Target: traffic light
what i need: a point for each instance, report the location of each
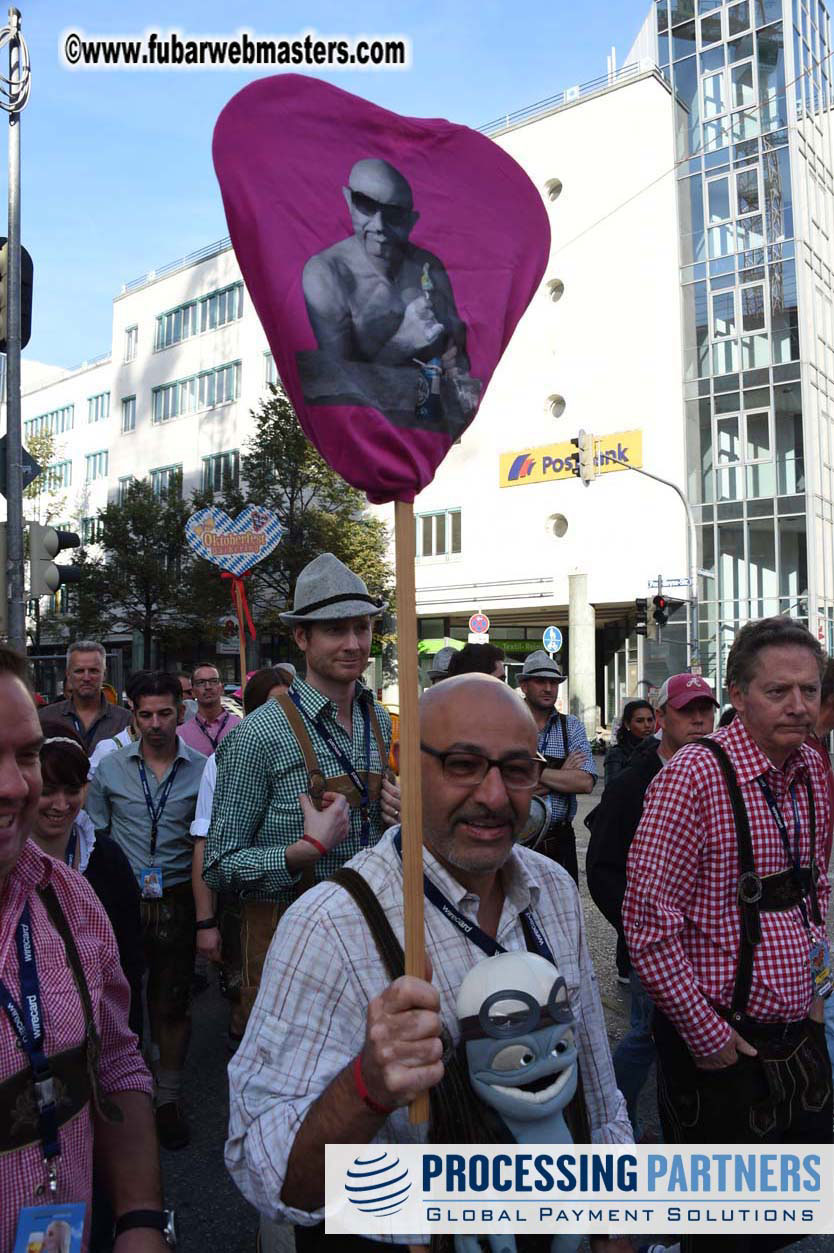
(27, 271)
(583, 463)
(641, 604)
(45, 577)
(661, 610)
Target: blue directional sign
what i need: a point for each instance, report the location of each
(552, 639)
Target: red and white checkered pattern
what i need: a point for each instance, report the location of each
(681, 920)
(122, 1068)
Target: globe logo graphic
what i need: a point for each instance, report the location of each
(378, 1183)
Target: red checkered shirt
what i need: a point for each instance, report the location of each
(121, 1068)
(680, 915)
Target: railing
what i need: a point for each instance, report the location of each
(202, 254)
(569, 96)
(91, 361)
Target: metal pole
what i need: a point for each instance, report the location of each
(14, 459)
(691, 552)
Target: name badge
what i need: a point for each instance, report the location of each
(150, 881)
(42, 1228)
(821, 968)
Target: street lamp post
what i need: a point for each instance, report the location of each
(691, 555)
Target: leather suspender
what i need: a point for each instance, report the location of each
(108, 1110)
(750, 885)
(318, 781)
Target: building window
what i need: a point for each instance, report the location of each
(128, 414)
(97, 465)
(124, 484)
(98, 407)
(54, 423)
(131, 342)
(221, 307)
(167, 479)
(58, 476)
(176, 325)
(439, 534)
(201, 391)
(221, 471)
(92, 530)
(270, 373)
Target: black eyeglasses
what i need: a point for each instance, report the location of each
(393, 214)
(206, 683)
(519, 774)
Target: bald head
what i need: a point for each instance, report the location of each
(382, 182)
(465, 699)
(471, 826)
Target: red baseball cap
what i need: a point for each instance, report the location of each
(682, 689)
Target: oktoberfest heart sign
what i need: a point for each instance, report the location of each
(234, 544)
(389, 260)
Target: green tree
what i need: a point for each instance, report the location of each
(282, 471)
(146, 578)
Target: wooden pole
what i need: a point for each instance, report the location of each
(412, 805)
(241, 629)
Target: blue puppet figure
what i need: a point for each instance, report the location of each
(517, 1029)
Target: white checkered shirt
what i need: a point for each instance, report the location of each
(322, 971)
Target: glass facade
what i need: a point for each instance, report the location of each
(754, 172)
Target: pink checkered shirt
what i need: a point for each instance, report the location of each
(121, 1069)
(680, 915)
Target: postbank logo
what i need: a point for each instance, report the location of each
(556, 461)
(522, 467)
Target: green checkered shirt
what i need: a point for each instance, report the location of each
(260, 776)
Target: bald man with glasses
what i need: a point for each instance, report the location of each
(383, 311)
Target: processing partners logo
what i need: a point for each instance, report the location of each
(417, 1190)
(378, 1183)
(522, 467)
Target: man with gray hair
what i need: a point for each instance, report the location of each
(86, 710)
(724, 912)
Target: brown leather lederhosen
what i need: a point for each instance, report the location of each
(75, 1078)
(260, 918)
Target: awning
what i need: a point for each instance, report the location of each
(430, 647)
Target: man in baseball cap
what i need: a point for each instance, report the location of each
(681, 690)
(322, 746)
(570, 765)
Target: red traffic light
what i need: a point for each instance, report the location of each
(660, 602)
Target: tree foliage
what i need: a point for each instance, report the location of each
(146, 578)
(282, 471)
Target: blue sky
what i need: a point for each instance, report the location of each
(117, 173)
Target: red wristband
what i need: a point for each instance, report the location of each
(315, 843)
(362, 1091)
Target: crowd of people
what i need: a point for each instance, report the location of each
(135, 841)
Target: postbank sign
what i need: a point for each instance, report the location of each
(556, 461)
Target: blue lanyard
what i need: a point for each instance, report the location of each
(204, 728)
(346, 764)
(533, 934)
(69, 855)
(28, 1025)
(156, 811)
(793, 855)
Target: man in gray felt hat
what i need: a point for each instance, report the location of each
(439, 668)
(321, 747)
(570, 769)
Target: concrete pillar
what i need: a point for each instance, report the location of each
(582, 625)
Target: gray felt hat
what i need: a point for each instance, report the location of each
(326, 590)
(440, 662)
(540, 665)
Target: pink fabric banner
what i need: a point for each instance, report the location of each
(389, 260)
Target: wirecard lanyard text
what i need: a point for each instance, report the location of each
(533, 934)
(347, 765)
(28, 1025)
(793, 854)
(214, 740)
(156, 811)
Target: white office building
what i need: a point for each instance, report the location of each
(685, 321)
